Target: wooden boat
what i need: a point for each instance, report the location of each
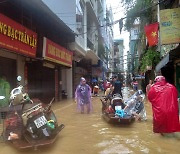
(112, 117)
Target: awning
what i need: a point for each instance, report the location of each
(91, 55)
(162, 63)
(79, 52)
(171, 56)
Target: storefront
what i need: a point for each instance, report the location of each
(17, 43)
(48, 77)
(8, 69)
(78, 73)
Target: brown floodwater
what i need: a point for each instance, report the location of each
(91, 134)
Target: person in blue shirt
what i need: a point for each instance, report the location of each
(117, 85)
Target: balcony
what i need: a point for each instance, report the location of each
(91, 12)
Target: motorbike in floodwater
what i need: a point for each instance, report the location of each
(135, 106)
(28, 123)
(116, 110)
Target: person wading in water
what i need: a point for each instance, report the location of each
(83, 96)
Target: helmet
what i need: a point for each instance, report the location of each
(139, 92)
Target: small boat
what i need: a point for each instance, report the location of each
(112, 118)
(112, 114)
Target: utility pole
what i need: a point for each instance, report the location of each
(158, 18)
(159, 41)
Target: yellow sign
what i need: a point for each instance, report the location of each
(170, 26)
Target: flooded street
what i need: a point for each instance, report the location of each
(90, 134)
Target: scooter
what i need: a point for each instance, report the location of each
(28, 123)
(135, 106)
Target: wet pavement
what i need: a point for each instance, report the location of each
(91, 134)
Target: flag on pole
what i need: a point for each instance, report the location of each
(152, 33)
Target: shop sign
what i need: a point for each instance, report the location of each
(169, 26)
(96, 71)
(16, 37)
(56, 53)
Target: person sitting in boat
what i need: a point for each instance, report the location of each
(113, 101)
(135, 106)
(117, 101)
(108, 92)
(107, 99)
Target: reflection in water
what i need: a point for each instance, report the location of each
(90, 134)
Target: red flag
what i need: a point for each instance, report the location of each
(152, 33)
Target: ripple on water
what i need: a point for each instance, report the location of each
(116, 149)
(104, 131)
(135, 143)
(113, 146)
(96, 125)
(145, 150)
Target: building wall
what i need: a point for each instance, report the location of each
(68, 12)
(69, 84)
(135, 47)
(20, 67)
(65, 10)
(20, 62)
(118, 54)
(66, 76)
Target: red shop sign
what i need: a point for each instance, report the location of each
(56, 53)
(16, 37)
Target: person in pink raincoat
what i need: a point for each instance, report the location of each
(163, 97)
(83, 96)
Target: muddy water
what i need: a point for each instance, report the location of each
(90, 134)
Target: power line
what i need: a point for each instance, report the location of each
(86, 32)
(119, 20)
(141, 11)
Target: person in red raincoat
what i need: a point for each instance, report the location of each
(163, 97)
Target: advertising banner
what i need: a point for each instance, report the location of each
(56, 53)
(170, 26)
(17, 38)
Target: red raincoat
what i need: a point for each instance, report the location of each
(163, 97)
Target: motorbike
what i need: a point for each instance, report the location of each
(135, 106)
(28, 123)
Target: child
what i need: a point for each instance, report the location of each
(96, 90)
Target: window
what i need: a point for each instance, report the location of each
(80, 16)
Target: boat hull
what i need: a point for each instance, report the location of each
(111, 118)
